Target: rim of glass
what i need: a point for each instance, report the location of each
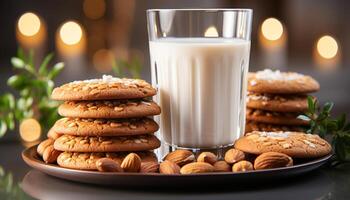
(202, 9)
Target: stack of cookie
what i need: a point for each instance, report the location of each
(275, 99)
(106, 117)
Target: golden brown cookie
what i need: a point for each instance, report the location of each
(106, 144)
(53, 134)
(87, 161)
(105, 127)
(276, 82)
(278, 103)
(278, 118)
(109, 109)
(254, 126)
(101, 89)
(294, 144)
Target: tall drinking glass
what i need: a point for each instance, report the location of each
(199, 65)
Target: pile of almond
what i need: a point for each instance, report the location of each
(185, 162)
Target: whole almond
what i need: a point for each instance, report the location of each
(169, 167)
(197, 167)
(207, 157)
(43, 145)
(131, 163)
(242, 166)
(180, 157)
(222, 166)
(149, 167)
(108, 165)
(233, 156)
(50, 154)
(272, 160)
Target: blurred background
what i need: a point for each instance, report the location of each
(91, 36)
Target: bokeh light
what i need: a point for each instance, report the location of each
(211, 32)
(94, 9)
(103, 60)
(29, 24)
(30, 130)
(71, 33)
(327, 47)
(272, 29)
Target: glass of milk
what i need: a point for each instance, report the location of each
(199, 65)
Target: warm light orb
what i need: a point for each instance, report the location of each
(211, 32)
(71, 33)
(272, 29)
(327, 47)
(29, 24)
(30, 130)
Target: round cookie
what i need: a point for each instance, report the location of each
(276, 82)
(87, 161)
(106, 144)
(294, 144)
(53, 134)
(105, 127)
(278, 103)
(278, 118)
(102, 89)
(254, 126)
(108, 109)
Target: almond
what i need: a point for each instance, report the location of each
(207, 157)
(242, 166)
(169, 167)
(50, 154)
(233, 156)
(131, 163)
(272, 160)
(196, 167)
(108, 165)
(149, 167)
(180, 157)
(43, 145)
(222, 166)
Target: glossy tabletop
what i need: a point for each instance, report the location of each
(325, 183)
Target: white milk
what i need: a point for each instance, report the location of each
(201, 89)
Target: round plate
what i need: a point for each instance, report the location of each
(31, 157)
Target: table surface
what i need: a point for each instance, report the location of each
(325, 183)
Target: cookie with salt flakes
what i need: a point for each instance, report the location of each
(105, 127)
(106, 144)
(294, 144)
(277, 102)
(87, 161)
(278, 118)
(109, 109)
(276, 82)
(107, 87)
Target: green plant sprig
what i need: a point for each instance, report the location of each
(34, 86)
(322, 123)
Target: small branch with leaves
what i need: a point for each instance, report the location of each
(34, 86)
(123, 68)
(323, 124)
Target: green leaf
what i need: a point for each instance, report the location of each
(18, 82)
(342, 147)
(57, 68)
(341, 121)
(17, 63)
(311, 104)
(10, 121)
(3, 127)
(20, 54)
(328, 107)
(43, 66)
